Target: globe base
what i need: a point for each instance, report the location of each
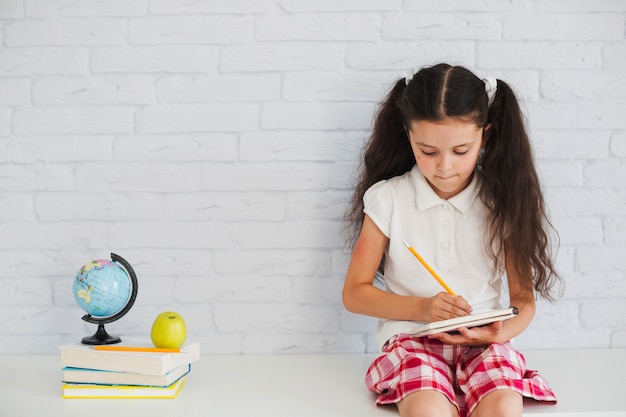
(101, 337)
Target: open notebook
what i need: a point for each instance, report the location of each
(473, 320)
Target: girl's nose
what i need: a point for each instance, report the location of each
(444, 163)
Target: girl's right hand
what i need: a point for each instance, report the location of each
(361, 296)
(444, 306)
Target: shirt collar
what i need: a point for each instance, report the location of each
(427, 198)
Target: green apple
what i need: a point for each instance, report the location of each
(168, 330)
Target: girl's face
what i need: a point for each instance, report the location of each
(446, 153)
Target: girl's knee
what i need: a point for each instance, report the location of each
(427, 403)
(499, 403)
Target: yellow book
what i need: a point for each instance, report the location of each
(85, 391)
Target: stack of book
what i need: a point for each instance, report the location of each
(131, 369)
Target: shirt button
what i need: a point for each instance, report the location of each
(445, 207)
(445, 226)
(445, 245)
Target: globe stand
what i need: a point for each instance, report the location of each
(101, 337)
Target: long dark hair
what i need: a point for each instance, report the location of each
(517, 219)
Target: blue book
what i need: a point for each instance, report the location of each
(96, 376)
(121, 391)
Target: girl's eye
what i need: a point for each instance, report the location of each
(433, 153)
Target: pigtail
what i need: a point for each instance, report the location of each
(386, 155)
(512, 191)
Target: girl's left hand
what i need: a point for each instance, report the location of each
(475, 336)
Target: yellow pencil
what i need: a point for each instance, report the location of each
(432, 271)
(135, 349)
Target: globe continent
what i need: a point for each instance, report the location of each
(102, 288)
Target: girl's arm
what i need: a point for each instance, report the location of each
(521, 297)
(362, 297)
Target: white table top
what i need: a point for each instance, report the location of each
(303, 386)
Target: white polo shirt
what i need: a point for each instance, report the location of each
(448, 234)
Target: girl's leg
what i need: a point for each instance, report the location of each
(427, 403)
(499, 403)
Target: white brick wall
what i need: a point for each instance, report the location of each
(213, 144)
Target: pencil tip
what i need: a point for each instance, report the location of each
(406, 243)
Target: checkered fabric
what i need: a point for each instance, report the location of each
(464, 375)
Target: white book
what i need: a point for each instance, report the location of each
(472, 320)
(78, 355)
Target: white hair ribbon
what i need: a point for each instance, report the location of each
(408, 78)
(491, 86)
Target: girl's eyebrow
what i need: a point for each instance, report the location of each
(470, 143)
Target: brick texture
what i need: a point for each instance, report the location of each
(213, 144)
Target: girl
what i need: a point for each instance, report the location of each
(450, 169)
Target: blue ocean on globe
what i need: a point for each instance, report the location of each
(102, 288)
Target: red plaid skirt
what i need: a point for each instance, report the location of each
(464, 375)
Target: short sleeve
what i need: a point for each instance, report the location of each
(377, 204)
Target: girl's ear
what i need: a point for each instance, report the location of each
(486, 134)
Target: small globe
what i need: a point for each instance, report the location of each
(106, 291)
(102, 288)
